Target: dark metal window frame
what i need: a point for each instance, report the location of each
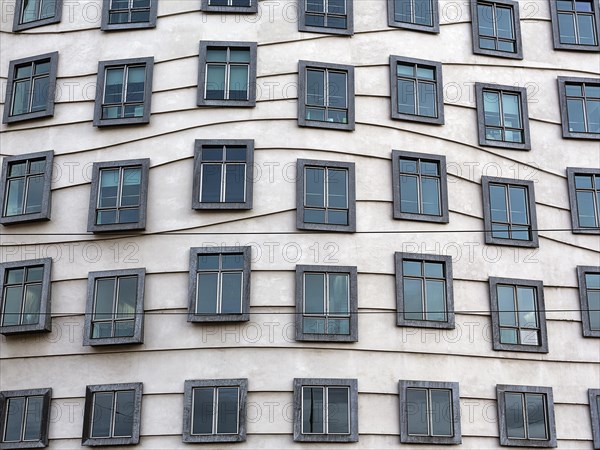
(106, 26)
(583, 299)
(302, 26)
(5, 396)
(18, 16)
(577, 47)
(593, 394)
(564, 113)
(571, 173)
(392, 22)
(518, 54)
(252, 9)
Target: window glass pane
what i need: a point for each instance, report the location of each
(125, 406)
(12, 305)
(312, 410)
(587, 34)
(575, 115)
(337, 116)
(235, 182)
(29, 13)
(124, 328)
(412, 268)
(238, 82)
(216, 54)
(409, 197)
(141, 3)
(315, 87)
(436, 300)
(21, 98)
(564, 5)
(314, 293)
(337, 410)
(338, 326)
(314, 181)
(336, 21)
(592, 90)
(511, 108)
(593, 298)
(402, 11)
(232, 261)
(337, 217)
(339, 296)
(15, 275)
(592, 280)
(122, 17)
(515, 422)
(16, 169)
(586, 210)
(504, 22)
(485, 16)
(35, 273)
(584, 5)
(336, 6)
(416, 408)
(102, 414)
(337, 91)
(536, 416)
(239, 55)
(41, 92)
(413, 299)
(527, 307)
(34, 195)
(566, 27)
(207, 293)
(14, 417)
(574, 90)
(140, 16)
(314, 216)
(231, 297)
(406, 96)
(113, 91)
(337, 188)
(408, 166)
(427, 100)
(583, 181)
(235, 154)
(431, 196)
(14, 201)
(434, 269)
(105, 289)
(135, 84)
(423, 12)
(211, 183)
(119, 4)
(102, 330)
(132, 185)
(315, 6)
(312, 325)
(127, 297)
(33, 421)
(406, 70)
(31, 310)
(593, 116)
(441, 412)
(203, 411)
(498, 203)
(108, 190)
(227, 408)
(491, 107)
(518, 205)
(129, 215)
(315, 20)
(506, 305)
(508, 336)
(215, 82)
(208, 262)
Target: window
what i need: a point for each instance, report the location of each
(325, 410)
(518, 315)
(30, 88)
(325, 196)
(112, 414)
(594, 396)
(36, 13)
(326, 95)
(115, 307)
(119, 195)
(123, 92)
(326, 303)
(24, 418)
(219, 284)
(420, 15)
(429, 412)
(223, 174)
(215, 410)
(25, 194)
(580, 107)
(227, 74)
(326, 16)
(420, 187)
(509, 212)
(526, 416)
(575, 24)
(496, 28)
(128, 14)
(230, 6)
(417, 90)
(25, 289)
(584, 196)
(589, 298)
(424, 294)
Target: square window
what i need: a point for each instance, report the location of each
(594, 396)
(588, 278)
(24, 418)
(575, 25)
(123, 92)
(326, 303)
(424, 294)
(509, 212)
(325, 196)
(325, 410)
(25, 187)
(36, 13)
(128, 14)
(112, 414)
(420, 187)
(518, 315)
(326, 16)
(418, 15)
(227, 74)
(579, 107)
(119, 195)
(496, 28)
(230, 6)
(223, 171)
(584, 197)
(325, 95)
(30, 88)
(215, 410)
(417, 90)
(526, 416)
(219, 284)
(429, 412)
(115, 307)
(25, 301)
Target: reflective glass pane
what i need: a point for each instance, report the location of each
(431, 196)
(41, 67)
(13, 296)
(405, 70)
(408, 166)
(527, 307)
(592, 280)
(433, 269)
(566, 28)
(102, 330)
(17, 169)
(106, 217)
(336, 21)
(315, 114)
(215, 82)
(235, 183)
(238, 82)
(312, 325)
(593, 115)
(518, 205)
(593, 298)
(315, 6)
(339, 296)
(337, 181)
(427, 100)
(132, 186)
(336, 6)
(129, 215)
(109, 188)
(212, 154)
(314, 182)
(105, 289)
(429, 168)
(227, 407)
(312, 410)
(436, 300)
(511, 109)
(529, 337)
(315, 20)
(411, 268)
(592, 90)
(207, 293)
(124, 410)
(23, 71)
(21, 97)
(33, 421)
(210, 191)
(508, 336)
(14, 419)
(491, 107)
(314, 293)
(498, 203)
(402, 11)
(14, 200)
(31, 309)
(338, 326)
(576, 115)
(335, 217)
(338, 410)
(216, 54)
(583, 181)
(120, 17)
(441, 412)
(135, 84)
(406, 96)
(30, 11)
(35, 273)
(33, 203)
(574, 90)
(586, 210)
(336, 90)
(506, 306)
(587, 33)
(416, 408)
(564, 5)
(203, 411)
(485, 17)
(239, 55)
(536, 416)
(423, 12)
(124, 328)
(409, 194)
(235, 154)
(208, 262)
(113, 90)
(232, 261)
(515, 421)
(314, 216)
(231, 296)
(41, 91)
(413, 299)
(315, 87)
(127, 297)
(504, 22)
(102, 414)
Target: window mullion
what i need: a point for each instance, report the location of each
(215, 410)
(326, 93)
(114, 307)
(585, 118)
(326, 192)
(429, 414)
(23, 295)
(113, 415)
(25, 192)
(227, 72)
(31, 88)
(223, 181)
(120, 192)
(423, 280)
(326, 301)
(525, 418)
(326, 409)
(507, 205)
(219, 290)
(124, 93)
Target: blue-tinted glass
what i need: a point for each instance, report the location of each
(408, 166)
(593, 298)
(14, 202)
(485, 16)
(12, 305)
(336, 88)
(315, 87)
(504, 22)
(576, 115)
(109, 188)
(314, 293)
(105, 291)
(337, 181)
(227, 417)
(216, 54)
(231, 296)
(338, 293)
(592, 280)
(527, 307)
(587, 33)
(406, 97)
(336, 22)
(518, 205)
(207, 293)
(21, 94)
(33, 202)
(511, 110)
(312, 410)
(436, 300)
(412, 268)
(586, 209)
(409, 197)
(238, 82)
(211, 183)
(402, 11)
(498, 203)
(413, 299)
(427, 100)
(126, 297)
(506, 305)
(336, 6)
(315, 6)
(417, 412)
(566, 28)
(232, 261)
(215, 82)
(203, 411)
(31, 309)
(491, 107)
(132, 186)
(208, 262)
(431, 196)
(423, 12)
(30, 11)
(135, 84)
(315, 187)
(41, 91)
(593, 115)
(113, 92)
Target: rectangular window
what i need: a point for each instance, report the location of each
(594, 398)
(215, 410)
(325, 410)
(496, 29)
(419, 15)
(584, 196)
(326, 16)
(580, 107)
(128, 14)
(518, 315)
(30, 88)
(24, 418)
(230, 6)
(36, 13)
(589, 299)
(575, 24)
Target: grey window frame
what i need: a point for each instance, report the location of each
(90, 390)
(571, 173)
(351, 384)
(45, 320)
(564, 115)
(199, 144)
(244, 315)
(303, 27)
(516, 24)
(505, 441)
(593, 394)
(429, 157)
(148, 62)
(138, 328)
(251, 101)
(583, 299)
(301, 164)
(106, 26)
(522, 92)
(487, 213)
(576, 47)
(435, 28)
(190, 385)
(94, 191)
(252, 9)
(46, 393)
(449, 323)
(439, 89)
(8, 118)
(44, 214)
(18, 26)
(302, 121)
(453, 387)
(352, 273)
(495, 314)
